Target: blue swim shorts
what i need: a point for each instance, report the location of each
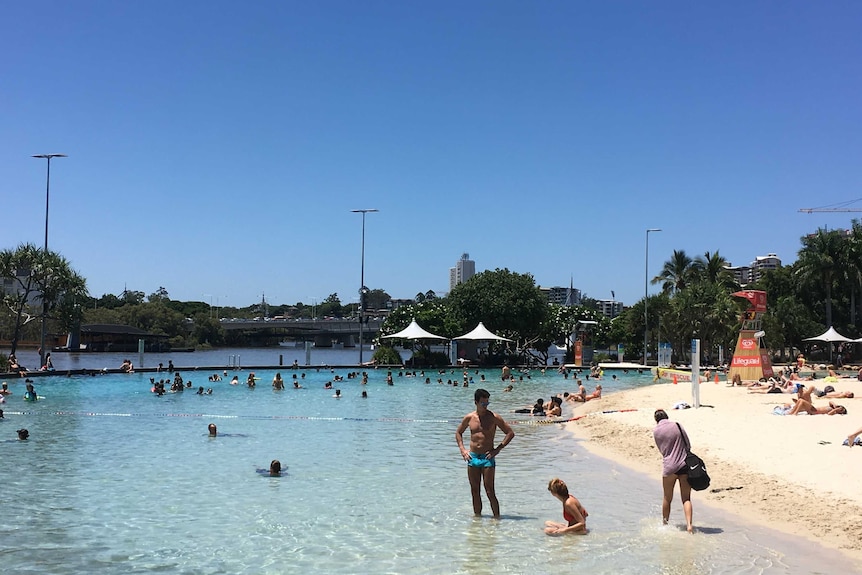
(477, 460)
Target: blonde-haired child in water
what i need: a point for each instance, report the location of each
(573, 512)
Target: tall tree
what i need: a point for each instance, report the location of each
(508, 303)
(851, 266)
(712, 268)
(818, 263)
(40, 281)
(676, 273)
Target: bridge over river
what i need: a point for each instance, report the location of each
(323, 332)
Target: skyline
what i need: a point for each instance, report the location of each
(218, 150)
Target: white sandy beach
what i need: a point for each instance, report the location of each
(793, 471)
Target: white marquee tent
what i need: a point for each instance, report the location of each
(480, 333)
(413, 331)
(829, 335)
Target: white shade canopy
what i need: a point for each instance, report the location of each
(413, 331)
(829, 335)
(480, 332)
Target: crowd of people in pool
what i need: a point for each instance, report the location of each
(480, 457)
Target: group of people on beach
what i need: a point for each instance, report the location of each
(789, 381)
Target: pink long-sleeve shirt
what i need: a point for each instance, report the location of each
(670, 443)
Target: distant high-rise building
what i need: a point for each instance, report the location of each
(567, 296)
(740, 273)
(745, 275)
(610, 308)
(763, 264)
(463, 270)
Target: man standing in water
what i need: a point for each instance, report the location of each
(483, 424)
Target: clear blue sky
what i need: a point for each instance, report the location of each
(218, 147)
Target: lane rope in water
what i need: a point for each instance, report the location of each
(306, 417)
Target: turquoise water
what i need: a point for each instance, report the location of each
(117, 480)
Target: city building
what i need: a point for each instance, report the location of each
(745, 275)
(763, 264)
(562, 295)
(740, 273)
(463, 271)
(610, 308)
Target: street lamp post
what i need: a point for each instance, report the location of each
(646, 290)
(45, 303)
(211, 302)
(362, 289)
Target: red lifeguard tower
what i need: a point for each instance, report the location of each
(750, 358)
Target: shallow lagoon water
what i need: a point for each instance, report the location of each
(117, 480)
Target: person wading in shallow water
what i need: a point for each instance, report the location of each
(483, 424)
(672, 440)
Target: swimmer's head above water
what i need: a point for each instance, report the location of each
(213, 430)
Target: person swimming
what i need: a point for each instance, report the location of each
(274, 469)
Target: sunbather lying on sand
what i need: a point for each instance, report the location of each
(807, 406)
(774, 387)
(828, 391)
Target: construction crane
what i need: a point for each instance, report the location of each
(842, 207)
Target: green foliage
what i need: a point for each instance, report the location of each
(424, 358)
(559, 325)
(385, 355)
(108, 301)
(207, 330)
(508, 303)
(818, 264)
(376, 299)
(132, 297)
(187, 308)
(160, 294)
(40, 281)
(676, 273)
(330, 307)
(435, 316)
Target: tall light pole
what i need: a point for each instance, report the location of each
(646, 290)
(362, 289)
(211, 302)
(44, 302)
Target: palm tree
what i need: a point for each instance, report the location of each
(712, 267)
(676, 273)
(851, 256)
(819, 262)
